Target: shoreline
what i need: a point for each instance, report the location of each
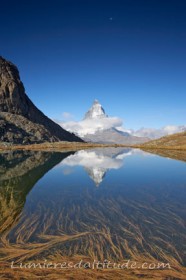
(73, 146)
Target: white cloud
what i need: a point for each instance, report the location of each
(90, 126)
(67, 116)
(102, 158)
(157, 133)
(91, 159)
(67, 171)
(98, 161)
(95, 162)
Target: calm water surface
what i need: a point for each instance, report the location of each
(108, 203)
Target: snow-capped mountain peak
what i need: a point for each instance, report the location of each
(96, 111)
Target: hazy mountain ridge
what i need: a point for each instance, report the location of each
(113, 136)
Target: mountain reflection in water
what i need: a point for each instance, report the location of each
(98, 161)
(138, 212)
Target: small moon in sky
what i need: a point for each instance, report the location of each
(110, 18)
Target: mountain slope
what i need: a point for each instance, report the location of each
(114, 136)
(20, 117)
(176, 141)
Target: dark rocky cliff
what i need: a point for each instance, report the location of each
(20, 120)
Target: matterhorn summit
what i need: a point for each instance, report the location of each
(96, 174)
(96, 111)
(98, 127)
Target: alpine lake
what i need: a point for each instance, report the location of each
(122, 209)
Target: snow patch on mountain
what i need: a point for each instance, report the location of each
(95, 112)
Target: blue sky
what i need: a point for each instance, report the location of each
(128, 54)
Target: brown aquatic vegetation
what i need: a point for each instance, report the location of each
(71, 231)
(90, 274)
(15, 182)
(95, 241)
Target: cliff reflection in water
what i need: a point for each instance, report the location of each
(19, 172)
(137, 213)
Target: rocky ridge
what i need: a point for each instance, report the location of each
(21, 122)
